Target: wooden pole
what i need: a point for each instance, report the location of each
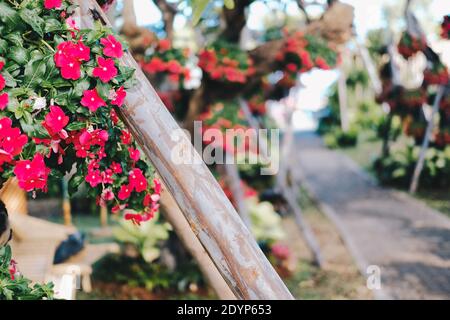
(210, 214)
(67, 208)
(234, 182)
(343, 100)
(175, 217)
(287, 190)
(426, 141)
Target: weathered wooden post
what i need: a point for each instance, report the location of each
(182, 228)
(288, 191)
(211, 216)
(426, 141)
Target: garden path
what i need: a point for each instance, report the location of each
(407, 240)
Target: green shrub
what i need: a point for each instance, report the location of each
(398, 168)
(340, 139)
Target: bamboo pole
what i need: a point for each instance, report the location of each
(205, 206)
(175, 217)
(426, 141)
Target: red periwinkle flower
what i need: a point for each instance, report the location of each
(71, 70)
(11, 139)
(114, 116)
(2, 82)
(56, 119)
(126, 137)
(119, 97)
(124, 192)
(52, 4)
(116, 167)
(134, 154)
(112, 47)
(92, 100)
(106, 70)
(32, 174)
(94, 178)
(137, 180)
(4, 99)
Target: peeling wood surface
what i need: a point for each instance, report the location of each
(212, 217)
(184, 231)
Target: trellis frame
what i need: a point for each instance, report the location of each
(208, 211)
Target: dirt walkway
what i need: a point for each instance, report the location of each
(408, 241)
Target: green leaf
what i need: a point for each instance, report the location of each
(31, 17)
(198, 7)
(229, 4)
(19, 55)
(8, 15)
(76, 126)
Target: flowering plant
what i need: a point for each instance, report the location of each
(408, 45)
(304, 52)
(437, 74)
(62, 89)
(223, 116)
(163, 60)
(445, 27)
(226, 62)
(13, 286)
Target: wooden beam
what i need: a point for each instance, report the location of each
(182, 228)
(426, 141)
(210, 214)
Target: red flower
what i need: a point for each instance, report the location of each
(71, 70)
(114, 117)
(164, 44)
(11, 139)
(155, 65)
(106, 70)
(4, 99)
(2, 82)
(137, 180)
(116, 167)
(92, 100)
(134, 154)
(112, 47)
(119, 97)
(52, 4)
(56, 120)
(126, 137)
(124, 192)
(94, 178)
(32, 174)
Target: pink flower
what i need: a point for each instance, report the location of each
(134, 154)
(137, 180)
(119, 97)
(56, 119)
(112, 47)
(92, 100)
(32, 174)
(107, 194)
(124, 192)
(94, 178)
(52, 4)
(106, 70)
(4, 100)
